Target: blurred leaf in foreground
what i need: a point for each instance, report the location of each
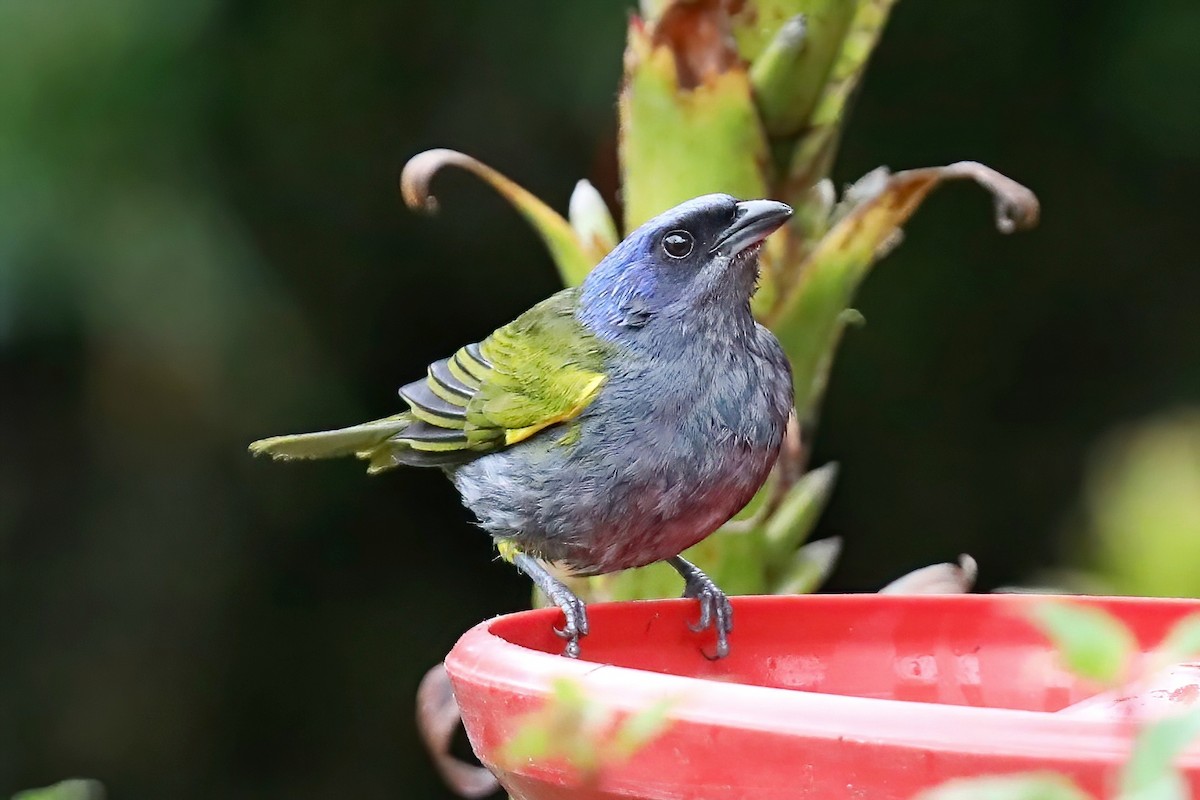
(1142, 508)
(1150, 773)
(1091, 643)
(583, 732)
(1031, 786)
(1182, 642)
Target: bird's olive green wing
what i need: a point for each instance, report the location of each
(541, 369)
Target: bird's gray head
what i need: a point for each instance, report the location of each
(699, 258)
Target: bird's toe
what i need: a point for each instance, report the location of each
(715, 612)
(574, 627)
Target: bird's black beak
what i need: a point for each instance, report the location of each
(755, 220)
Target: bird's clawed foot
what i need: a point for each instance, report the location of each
(715, 608)
(576, 625)
(573, 609)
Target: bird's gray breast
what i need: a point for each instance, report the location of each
(669, 450)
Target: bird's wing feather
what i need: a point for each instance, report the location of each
(332, 444)
(541, 369)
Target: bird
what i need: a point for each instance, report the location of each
(614, 424)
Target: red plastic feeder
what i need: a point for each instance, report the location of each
(823, 696)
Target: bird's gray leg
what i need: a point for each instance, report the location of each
(572, 607)
(714, 605)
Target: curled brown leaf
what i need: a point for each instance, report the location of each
(569, 255)
(891, 198)
(1017, 207)
(438, 718)
(419, 171)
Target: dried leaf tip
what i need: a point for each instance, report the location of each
(419, 172)
(1017, 207)
(568, 253)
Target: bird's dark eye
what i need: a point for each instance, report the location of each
(678, 244)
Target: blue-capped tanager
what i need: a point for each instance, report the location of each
(614, 424)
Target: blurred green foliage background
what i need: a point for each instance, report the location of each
(202, 242)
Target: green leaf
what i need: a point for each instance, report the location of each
(1149, 774)
(772, 76)
(797, 514)
(74, 789)
(814, 153)
(1169, 786)
(643, 583)
(810, 567)
(531, 742)
(756, 23)
(569, 254)
(809, 320)
(641, 728)
(679, 141)
(1091, 643)
(792, 69)
(579, 730)
(734, 560)
(1142, 496)
(1029, 786)
(1181, 643)
(567, 696)
(566, 726)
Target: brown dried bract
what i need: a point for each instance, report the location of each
(420, 169)
(700, 36)
(438, 718)
(1017, 207)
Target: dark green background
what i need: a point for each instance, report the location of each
(201, 242)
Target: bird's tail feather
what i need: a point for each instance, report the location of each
(358, 440)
